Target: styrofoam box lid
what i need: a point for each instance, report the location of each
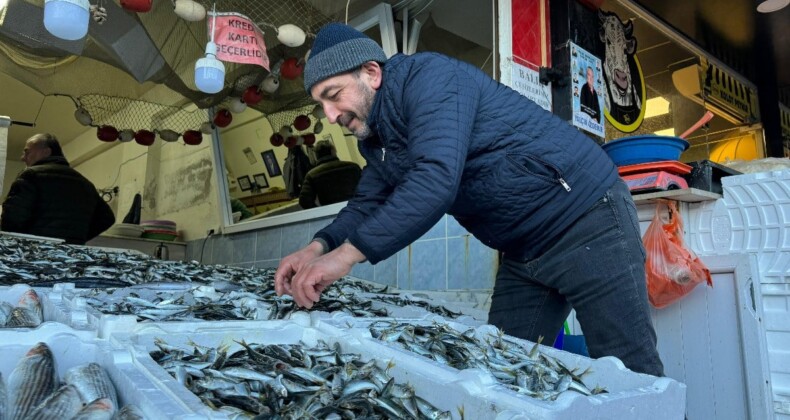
(753, 216)
(630, 394)
(445, 391)
(71, 348)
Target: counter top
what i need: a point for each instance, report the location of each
(688, 195)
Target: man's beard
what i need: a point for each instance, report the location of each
(366, 103)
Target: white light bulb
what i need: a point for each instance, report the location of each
(210, 72)
(67, 19)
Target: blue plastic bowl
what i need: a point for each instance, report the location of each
(643, 149)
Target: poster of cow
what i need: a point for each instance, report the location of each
(587, 99)
(624, 83)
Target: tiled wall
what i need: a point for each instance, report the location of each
(447, 257)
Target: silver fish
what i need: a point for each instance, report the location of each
(65, 403)
(92, 382)
(31, 382)
(5, 312)
(101, 409)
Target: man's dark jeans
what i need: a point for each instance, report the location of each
(598, 268)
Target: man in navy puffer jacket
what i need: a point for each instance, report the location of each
(440, 136)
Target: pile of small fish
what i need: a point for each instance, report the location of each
(34, 391)
(528, 372)
(400, 300)
(26, 314)
(207, 303)
(292, 382)
(42, 263)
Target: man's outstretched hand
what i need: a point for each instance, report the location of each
(306, 273)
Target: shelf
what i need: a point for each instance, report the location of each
(689, 195)
(138, 238)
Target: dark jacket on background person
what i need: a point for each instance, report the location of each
(331, 181)
(513, 174)
(51, 199)
(297, 165)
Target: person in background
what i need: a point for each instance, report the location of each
(589, 97)
(331, 181)
(440, 136)
(237, 206)
(49, 198)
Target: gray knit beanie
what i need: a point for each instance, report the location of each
(337, 49)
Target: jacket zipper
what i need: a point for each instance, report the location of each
(560, 179)
(383, 153)
(564, 184)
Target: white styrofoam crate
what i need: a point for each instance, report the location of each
(78, 313)
(50, 298)
(776, 311)
(71, 348)
(438, 386)
(630, 394)
(752, 216)
(713, 340)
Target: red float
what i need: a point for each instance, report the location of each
(140, 6)
(309, 139)
(144, 137)
(291, 68)
(302, 122)
(291, 141)
(192, 137)
(107, 133)
(276, 140)
(223, 118)
(252, 95)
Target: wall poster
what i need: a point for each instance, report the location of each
(587, 82)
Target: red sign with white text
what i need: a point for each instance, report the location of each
(238, 39)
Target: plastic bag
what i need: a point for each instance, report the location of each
(672, 269)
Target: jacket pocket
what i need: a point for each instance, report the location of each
(539, 169)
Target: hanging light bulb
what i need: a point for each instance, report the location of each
(210, 72)
(67, 19)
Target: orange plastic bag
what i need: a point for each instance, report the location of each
(672, 269)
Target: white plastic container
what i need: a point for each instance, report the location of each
(630, 394)
(71, 348)
(78, 313)
(50, 298)
(753, 217)
(439, 386)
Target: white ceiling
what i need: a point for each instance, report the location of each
(50, 114)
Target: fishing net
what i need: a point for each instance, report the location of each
(127, 55)
(130, 53)
(124, 113)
